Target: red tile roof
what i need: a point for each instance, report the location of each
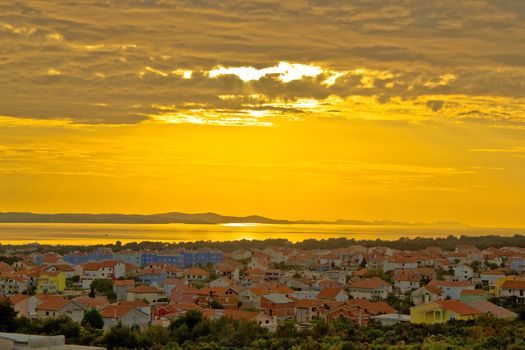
(374, 308)
(513, 285)
(370, 283)
(123, 283)
(433, 289)
(488, 307)
(329, 293)
(133, 303)
(97, 302)
(473, 292)
(17, 298)
(240, 314)
(53, 304)
(458, 307)
(450, 283)
(307, 303)
(196, 271)
(115, 311)
(493, 272)
(146, 289)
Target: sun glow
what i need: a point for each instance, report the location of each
(285, 72)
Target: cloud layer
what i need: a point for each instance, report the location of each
(115, 61)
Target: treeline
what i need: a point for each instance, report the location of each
(404, 243)
(194, 332)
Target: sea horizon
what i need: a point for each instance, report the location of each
(101, 233)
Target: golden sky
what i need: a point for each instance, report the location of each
(397, 110)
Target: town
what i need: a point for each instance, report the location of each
(363, 285)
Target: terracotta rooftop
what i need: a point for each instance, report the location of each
(53, 304)
(458, 307)
(97, 302)
(329, 293)
(513, 285)
(493, 272)
(240, 314)
(433, 289)
(123, 283)
(488, 307)
(450, 283)
(196, 271)
(16, 298)
(133, 303)
(306, 303)
(115, 311)
(370, 283)
(374, 308)
(145, 289)
(473, 292)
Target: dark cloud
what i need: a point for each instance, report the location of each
(87, 59)
(435, 105)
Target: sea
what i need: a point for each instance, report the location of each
(88, 234)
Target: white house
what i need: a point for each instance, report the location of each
(54, 307)
(144, 292)
(463, 273)
(370, 288)
(452, 289)
(127, 315)
(333, 294)
(515, 290)
(110, 269)
(489, 278)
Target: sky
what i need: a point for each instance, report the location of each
(373, 110)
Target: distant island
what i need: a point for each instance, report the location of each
(185, 218)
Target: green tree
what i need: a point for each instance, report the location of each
(214, 304)
(104, 287)
(182, 327)
(92, 318)
(61, 325)
(120, 337)
(7, 316)
(153, 337)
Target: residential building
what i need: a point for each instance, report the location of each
(278, 305)
(121, 288)
(452, 289)
(126, 315)
(109, 269)
(333, 294)
(443, 311)
(144, 292)
(51, 283)
(55, 307)
(370, 288)
(514, 290)
(227, 297)
(463, 273)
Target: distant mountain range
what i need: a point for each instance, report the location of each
(184, 218)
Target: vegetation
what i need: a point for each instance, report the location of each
(92, 318)
(104, 287)
(404, 243)
(9, 259)
(378, 273)
(7, 316)
(73, 283)
(194, 332)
